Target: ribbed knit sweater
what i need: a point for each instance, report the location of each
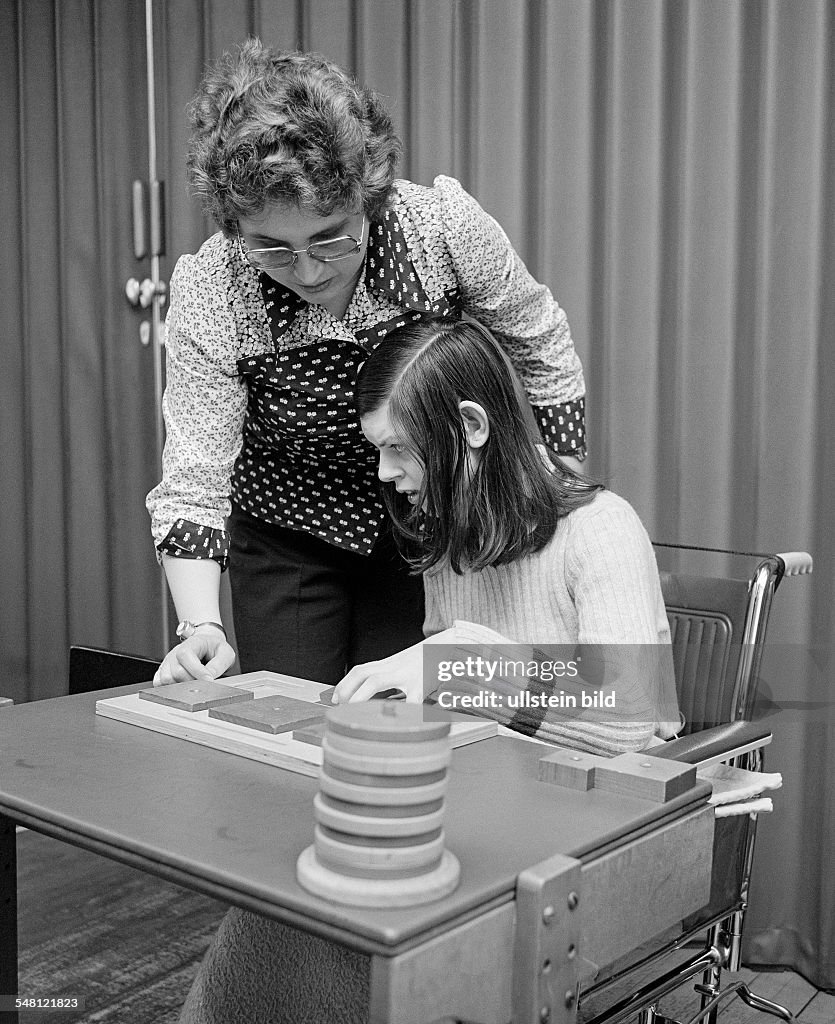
(595, 583)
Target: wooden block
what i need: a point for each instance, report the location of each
(387, 751)
(402, 858)
(196, 695)
(571, 769)
(373, 824)
(312, 734)
(377, 892)
(401, 794)
(388, 721)
(271, 714)
(436, 760)
(371, 809)
(644, 776)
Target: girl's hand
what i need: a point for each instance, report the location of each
(203, 656)
(402, 671)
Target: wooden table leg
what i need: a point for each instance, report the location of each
(8, 919)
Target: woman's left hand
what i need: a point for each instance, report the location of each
(402, 671)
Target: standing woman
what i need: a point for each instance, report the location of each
(320, 254)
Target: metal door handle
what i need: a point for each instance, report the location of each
(132, 291)
(142, 294)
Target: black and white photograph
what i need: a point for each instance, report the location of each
(416, 439)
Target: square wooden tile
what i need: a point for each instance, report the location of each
(196, 695)
(271, 714)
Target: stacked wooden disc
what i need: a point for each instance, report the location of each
(379, 839)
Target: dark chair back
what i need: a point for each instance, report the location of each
(707, 617)
(718, 627)
(91, 668)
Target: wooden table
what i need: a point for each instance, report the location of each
(547, 874)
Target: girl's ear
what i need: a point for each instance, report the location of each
(476, 423)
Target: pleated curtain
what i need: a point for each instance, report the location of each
(664, 166)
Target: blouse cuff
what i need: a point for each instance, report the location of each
(563, 427)
(190, 540)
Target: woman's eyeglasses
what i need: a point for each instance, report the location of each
(281, 258)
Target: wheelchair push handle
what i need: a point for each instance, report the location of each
(797, 563)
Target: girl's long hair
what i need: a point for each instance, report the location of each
(512, 504)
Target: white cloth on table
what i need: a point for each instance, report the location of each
(738, 791)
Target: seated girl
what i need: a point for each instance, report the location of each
(515, 548)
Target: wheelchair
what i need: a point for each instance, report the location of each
(718, 626)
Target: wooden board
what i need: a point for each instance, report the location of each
(666, 873)
(281, 750)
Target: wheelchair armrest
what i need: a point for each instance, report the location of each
(719, 743)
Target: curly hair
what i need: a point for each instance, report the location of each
(291, 127)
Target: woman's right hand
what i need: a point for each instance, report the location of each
(203, 656)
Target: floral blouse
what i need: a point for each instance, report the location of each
(258, 403)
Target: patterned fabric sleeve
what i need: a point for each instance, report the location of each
(563, 427)
(191, 540)
(203, 406)
(498, 290)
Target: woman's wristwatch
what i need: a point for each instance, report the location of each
(186, 629)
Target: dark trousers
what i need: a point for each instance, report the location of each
(306, 608)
